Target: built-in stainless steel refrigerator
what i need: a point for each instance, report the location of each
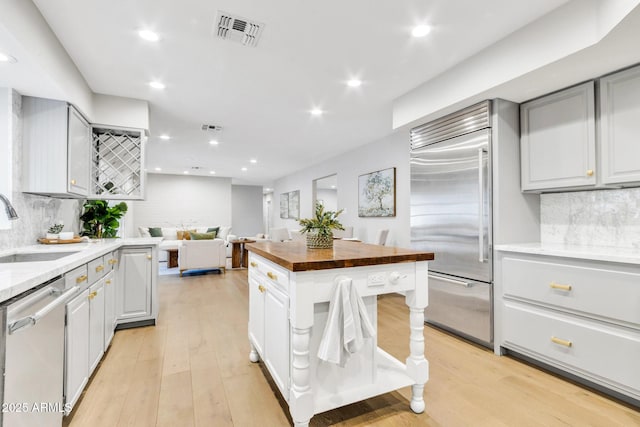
(451, 216)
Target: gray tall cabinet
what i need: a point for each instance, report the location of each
(620, 127)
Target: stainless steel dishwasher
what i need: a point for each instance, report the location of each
(32, 356)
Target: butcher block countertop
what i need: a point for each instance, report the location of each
(295, 256)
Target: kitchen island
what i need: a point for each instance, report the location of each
(290, 287)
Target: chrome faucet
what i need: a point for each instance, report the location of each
(11, 212)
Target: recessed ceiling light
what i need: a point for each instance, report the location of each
(354, 83)
(5, 57)
(186, 172)
(420, 30)
(316, 112)
(214, 142)
(244, 169)
(149, 35)
(253, 161)
(165, 137)
(267, 189)
(157, 85)
(212, 172)
(158, 169)
(333, 186)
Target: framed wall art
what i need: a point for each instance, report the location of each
(294, 204)
(284, 205)
(377, 193)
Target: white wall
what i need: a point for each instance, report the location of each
(246, 205)
(41, 47)
(392, 151)
(182, 200)
(329, 198)
(119, 111)
(546, 55)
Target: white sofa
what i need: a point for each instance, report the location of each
(170, 238)
(201, 254)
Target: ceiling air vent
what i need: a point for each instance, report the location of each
(211, 128)
(235, 28)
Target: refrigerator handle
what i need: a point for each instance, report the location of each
(481, 257)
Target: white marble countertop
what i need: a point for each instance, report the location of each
(596, 253)
(19, 277)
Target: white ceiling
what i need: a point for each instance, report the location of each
(262, 96)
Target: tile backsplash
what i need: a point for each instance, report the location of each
(36, 213)
(592, 218)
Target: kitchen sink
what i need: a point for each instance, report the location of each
(35, 257)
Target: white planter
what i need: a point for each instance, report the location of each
(66, 235)
(52, 236)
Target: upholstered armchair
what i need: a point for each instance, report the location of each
(201, 254)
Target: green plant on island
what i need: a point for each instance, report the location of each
(322, 223)
(99, 220)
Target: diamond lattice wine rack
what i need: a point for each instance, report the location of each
(118, 163)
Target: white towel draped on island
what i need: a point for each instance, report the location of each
(347, 324)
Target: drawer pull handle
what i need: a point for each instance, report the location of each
(589, 172)
(82, 278)
(149, 257)
(73, 182)
(254, 264)
(99, 268)
(561, 342)
(93, 294)
(261, 288)
(272, 276)
(108, 282)
(555, 285)
(113, 261)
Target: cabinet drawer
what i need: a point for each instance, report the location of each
(605, 354)
(77, 276)
(597, 291)
(97, 269)
(111, 261)
(275, 273)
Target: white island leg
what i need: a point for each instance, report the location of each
(253, 354)
(301, 405)
(417, 365)
(301, 395)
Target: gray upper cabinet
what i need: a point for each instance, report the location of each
(558, 140)
(57, 149)
(64, 156)
(620, 127)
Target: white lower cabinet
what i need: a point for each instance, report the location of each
(269, 329)
(76, 348)
(96, 324)
(256, 315)
(109, 307)
(134, 284)
(582, 317)
(276, 337)
(114, 288)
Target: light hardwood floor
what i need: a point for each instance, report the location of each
(193, 369)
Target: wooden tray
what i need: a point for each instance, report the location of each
(44, 241)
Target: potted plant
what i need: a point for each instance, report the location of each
(100, 220)
(54, 230)
(318, 229)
